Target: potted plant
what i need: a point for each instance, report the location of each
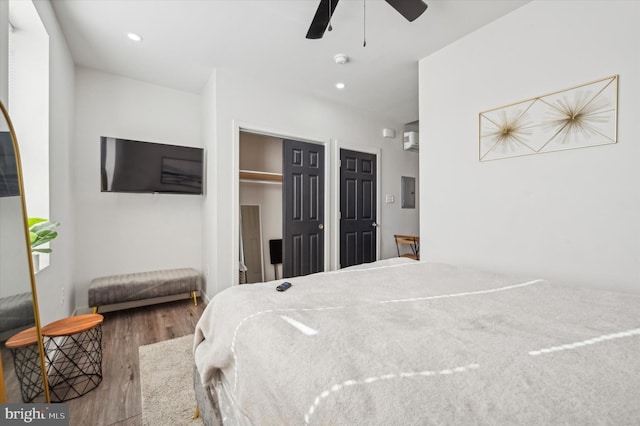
(41, 232)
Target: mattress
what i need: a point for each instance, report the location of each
(417, 343)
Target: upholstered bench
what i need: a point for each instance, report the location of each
(152, 285)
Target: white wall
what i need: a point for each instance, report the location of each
(120, 233)
(571, 215)
(245, 103)
(4, 53)
(210, 209)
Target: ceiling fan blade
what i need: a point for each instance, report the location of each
(410, 9)
(321, 19)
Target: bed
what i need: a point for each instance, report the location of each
(416, 343)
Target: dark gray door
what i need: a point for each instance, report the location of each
(357, 208)
(303, 208)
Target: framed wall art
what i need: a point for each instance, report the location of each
(577, 117)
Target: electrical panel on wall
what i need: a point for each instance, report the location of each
(410, 141)
(408, 192)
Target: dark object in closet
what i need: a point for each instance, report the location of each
(275, 253)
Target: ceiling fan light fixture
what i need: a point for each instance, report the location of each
(341, 59)
(409, 9)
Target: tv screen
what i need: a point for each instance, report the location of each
(136, 166)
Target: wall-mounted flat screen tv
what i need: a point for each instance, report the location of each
(136, 166)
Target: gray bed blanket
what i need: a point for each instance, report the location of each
(401, 342)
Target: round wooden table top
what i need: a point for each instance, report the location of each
(72, 325)
(24, 338)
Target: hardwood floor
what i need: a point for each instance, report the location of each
(117, 400)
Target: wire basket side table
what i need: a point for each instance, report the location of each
(26, 361)
(73, 347)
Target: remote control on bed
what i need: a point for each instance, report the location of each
(282, 287)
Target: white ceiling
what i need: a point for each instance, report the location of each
(265, 39)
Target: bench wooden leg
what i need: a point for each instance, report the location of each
(95, 309)
(197, 413)
(194, 294)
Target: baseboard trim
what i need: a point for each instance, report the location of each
(205, 297)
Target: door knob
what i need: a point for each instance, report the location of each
(375, 225)
(321, 226)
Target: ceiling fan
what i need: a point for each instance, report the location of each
(410, 9)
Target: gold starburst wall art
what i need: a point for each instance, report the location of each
(578, 117)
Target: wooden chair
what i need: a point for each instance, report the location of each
(412, 241)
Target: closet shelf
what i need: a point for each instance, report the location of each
(260, 176)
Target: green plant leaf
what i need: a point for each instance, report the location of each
(42, 250)
(43, 226)
(43, 238)
(33, 220)
(41, 232)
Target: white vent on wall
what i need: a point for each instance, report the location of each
(410, 141)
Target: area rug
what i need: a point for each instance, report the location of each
(166, 379)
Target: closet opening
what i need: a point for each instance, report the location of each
(260, 194)
(282, 198)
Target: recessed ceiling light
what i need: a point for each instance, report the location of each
(340, 86)
(341, 59)
(134, 37)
